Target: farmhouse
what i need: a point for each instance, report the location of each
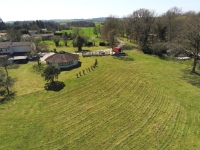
(14, 47)
(62, 59)
(16, 51)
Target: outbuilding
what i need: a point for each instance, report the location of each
(63, 60)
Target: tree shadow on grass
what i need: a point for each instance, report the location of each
(4, 98)
(192, 78)
(54, 86)
(124, 58)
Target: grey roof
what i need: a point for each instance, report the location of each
(43, 35)
(14, 44)
(62, 57)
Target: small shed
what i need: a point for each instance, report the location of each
(63, 59)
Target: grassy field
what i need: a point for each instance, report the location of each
(70, 47)
(136, 102)
(88, 31)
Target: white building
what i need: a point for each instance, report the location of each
(63, 60)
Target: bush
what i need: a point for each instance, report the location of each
(58, 33)
(147, 50)
(102, 44)
(159, 49)
(88, 44)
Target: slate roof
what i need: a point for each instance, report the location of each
(14, 44)
(62, 57)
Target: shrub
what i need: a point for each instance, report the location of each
(58, 33)
(89, 44)
(147, 50)
(102, 44)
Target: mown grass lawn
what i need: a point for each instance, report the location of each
(144, 103)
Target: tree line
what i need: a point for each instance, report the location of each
(174, 31)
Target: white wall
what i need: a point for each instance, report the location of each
(75, 62)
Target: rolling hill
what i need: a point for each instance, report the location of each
(133, 102)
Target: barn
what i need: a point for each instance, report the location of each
(17, 52)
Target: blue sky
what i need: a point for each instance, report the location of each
(12, 10)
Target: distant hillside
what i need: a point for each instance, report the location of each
(70, 20)
(66, 20)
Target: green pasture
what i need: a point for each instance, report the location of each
(133, 102)
(70, 47)
(87, 31)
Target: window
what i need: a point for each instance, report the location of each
(71, 62)
(66, 63)
(62, 64)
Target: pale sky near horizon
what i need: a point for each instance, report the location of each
(19, 10)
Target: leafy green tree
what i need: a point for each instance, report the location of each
(50, 73)
(64, 38)
(56, 40)
(78, 42)
(95, 30)
(77, 31)
(37, 40)
(2, 25)
(35, 49)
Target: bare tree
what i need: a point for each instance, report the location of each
(142, 21)
(173, 21)
(191, 36)
(110, 30)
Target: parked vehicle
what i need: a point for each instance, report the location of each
(117, 49)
